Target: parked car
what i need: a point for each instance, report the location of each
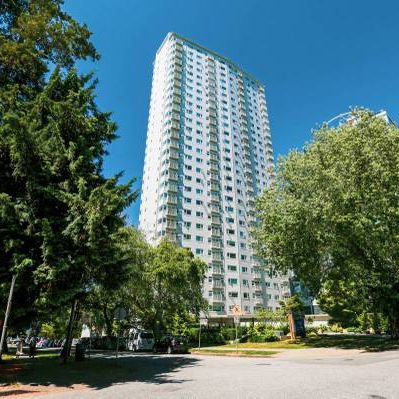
(171, 344)
(141, 341)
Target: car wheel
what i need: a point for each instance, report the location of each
(169, 351)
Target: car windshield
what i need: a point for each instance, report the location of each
(147, 335)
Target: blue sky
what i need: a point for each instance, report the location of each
(316, 57)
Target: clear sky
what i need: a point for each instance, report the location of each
(316, 58)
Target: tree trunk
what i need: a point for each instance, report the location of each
(108, 321)
(66, 350)
(5, 346)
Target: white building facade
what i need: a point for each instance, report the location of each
(208, 156)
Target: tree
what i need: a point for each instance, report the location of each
(170, 283)
(60, 217)
(332, 214)
(270, 316)
(103, 301)
(33, 35)
(162, 288)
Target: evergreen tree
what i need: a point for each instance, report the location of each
(59, 216)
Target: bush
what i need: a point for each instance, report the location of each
(322, 328)
(266, 335)
(284, 327)
(336, 328)
(311, 329)
(353, 329)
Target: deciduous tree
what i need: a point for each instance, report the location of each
(332, 213)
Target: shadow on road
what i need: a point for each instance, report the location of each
(98, 372)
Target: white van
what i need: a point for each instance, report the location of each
(141, 341)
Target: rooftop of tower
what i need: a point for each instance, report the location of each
(214, 53)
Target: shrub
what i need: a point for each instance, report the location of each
(322, 328)
(336, 328)
(266, 335)
(284, 327)
(353, 329)
(311, 329)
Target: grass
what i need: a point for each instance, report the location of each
(228, 352)
(269, 345)
(369, 343)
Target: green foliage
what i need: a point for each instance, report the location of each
(332, 217)
(60, 218)
(182, 325)
(261, 332)
(294, 305)
(311, 329)
(161, 290)
(169, 283)
(271, 317)
(47, 330)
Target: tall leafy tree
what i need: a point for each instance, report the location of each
(164, 285)
(332, 215)
(170, 284)
(59, 215)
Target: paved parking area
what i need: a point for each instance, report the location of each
(310, 373)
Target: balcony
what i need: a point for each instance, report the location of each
(171, 212)
(173, 165)
(217, 271)
(178, 62)
(214, 167)
(176, 91)
(218, 285)
(176, 124)
(216, 244)
(170, 225)
(217, 256)
(173, 176)
(173, 154)
(172, 188)
(216, 234)
(174, 134)
(218, 298)
(176, 116)
(213, 148)
(174, 144)
(172, 200)
(215, 187)
(176, 100)
(214, 157)
(213, 139)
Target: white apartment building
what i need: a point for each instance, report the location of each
(208, 155)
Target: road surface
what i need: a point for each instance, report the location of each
(293, 374)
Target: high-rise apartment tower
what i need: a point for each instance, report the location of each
(208, 155)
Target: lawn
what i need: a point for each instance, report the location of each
(232, 352)
(269, 345)
(370, 343)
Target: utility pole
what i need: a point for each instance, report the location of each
(3, 332)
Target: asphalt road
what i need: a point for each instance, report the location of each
(293, 374)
